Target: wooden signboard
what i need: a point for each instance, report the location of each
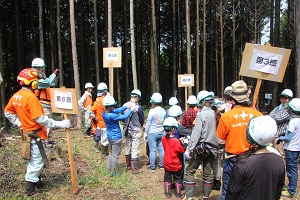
(185, 80)
(112, 57)
(264, 63)
(64, 100)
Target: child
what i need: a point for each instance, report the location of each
(292, 147)
(172, 164)
(111, 118)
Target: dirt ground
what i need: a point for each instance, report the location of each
(92, 179)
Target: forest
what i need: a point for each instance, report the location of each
(159, 38)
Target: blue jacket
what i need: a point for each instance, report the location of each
(112, 119)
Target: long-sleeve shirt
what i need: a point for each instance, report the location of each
(292, 138)
(137, 118)
(97, 110)
(205, 130)
(172, 149)
(155, 120)
(188, 117)
(112, 119)
(86, 101)
(258, 176)
(282, 117)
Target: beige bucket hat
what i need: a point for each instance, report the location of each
(240, 91)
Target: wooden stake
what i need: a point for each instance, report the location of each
(71, 161)
(256, 92)
(185, 97)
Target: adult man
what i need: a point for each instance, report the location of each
(232, 127)
(258, 174)
(25, 111)
(204, 146)
(99, 126)
(282, 117)
(134, 125)
(190, 115)
(85, 103)
(43, 90)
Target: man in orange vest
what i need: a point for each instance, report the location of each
(25, 111)
(43, 91)
(85, 103)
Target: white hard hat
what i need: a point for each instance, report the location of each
(156, 98)
(175, 111)
(204, 95)
(173, 101)
(170, 122)
(102, 86)
(294, 106)
(261, 130)
(109, 101)
(88, 85)
(192, 100)
(287, 93)
(38, 63)
(135, 93)
(227, 89)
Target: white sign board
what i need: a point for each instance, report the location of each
(185, 80)
(112, 57)
(63, 99)
(266, 62)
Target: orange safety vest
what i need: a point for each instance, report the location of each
(43, 95)
(88, 102)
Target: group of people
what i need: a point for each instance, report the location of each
(253, 146)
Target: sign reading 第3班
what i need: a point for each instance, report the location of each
(266, 62)
(63, 99)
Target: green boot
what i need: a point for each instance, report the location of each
(189, 190)
(96, 146)
(206, 189)
(128, 164)
(134, 166)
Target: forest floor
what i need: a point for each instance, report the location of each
(92, 179)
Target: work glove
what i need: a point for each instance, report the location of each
(56, 72)
(145, 137)
(64, 124)
(17, 123)
(187, 154)
(278, 141)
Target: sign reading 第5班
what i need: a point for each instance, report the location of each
(185, 80)
(264, 62)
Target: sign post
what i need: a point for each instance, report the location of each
(112, 58)
(185, 80)
(64, 101)
(264, 63)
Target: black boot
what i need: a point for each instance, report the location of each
(167, 190)
(104, 151)
(134, 166)
(29, 188)
(178, 190)
(216, 185)
(40, 184)
(128, 164)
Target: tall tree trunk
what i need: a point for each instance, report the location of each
(96, 43)
(153, 55)
(204, 46)
(222, 46)
(52, 35)
(197, 74)
(20, 47)
(41, 30)
(297, 46)
(2, 88)
(59, 55)
(74, 58)
(174, 74)
(272, 23)
(188, 41)
(109, 44)
(132, 39)
(233, 42)
(125, 54)
(276, 44)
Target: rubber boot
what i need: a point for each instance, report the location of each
(189, 190)
(178, 190)
(206, 189)
(40, 184)
(128, 164)
(167, 190)
(216, 185)
(104, 151)
(134, 166)
(96, 146)
(29, 188)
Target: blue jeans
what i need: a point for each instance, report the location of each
(228, 164)
(291, 158)
(154, 141)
